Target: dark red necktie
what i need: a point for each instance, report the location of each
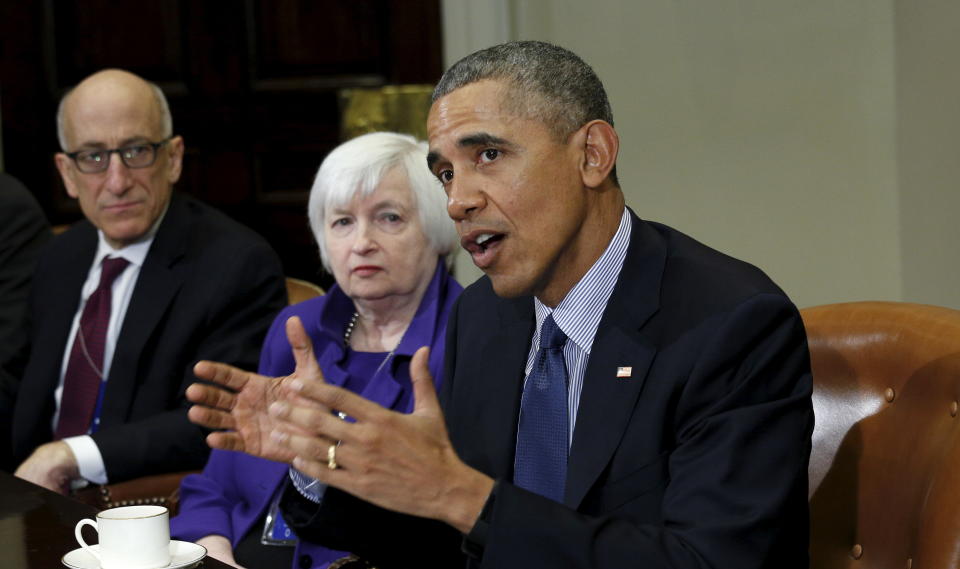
(81, 382)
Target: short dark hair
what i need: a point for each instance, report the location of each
(566, 92)
(571, 92)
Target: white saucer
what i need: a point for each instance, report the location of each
(183, 555)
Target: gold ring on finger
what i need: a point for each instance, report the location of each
(332, 457)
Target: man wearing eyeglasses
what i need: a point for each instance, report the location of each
(127, 300)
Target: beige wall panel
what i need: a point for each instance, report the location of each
(765, 129)
(928, 142)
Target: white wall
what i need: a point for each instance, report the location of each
(769, 129)
(928, 142)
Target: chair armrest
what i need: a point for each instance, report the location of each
(158, 490)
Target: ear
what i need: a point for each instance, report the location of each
(66, 173)
(600, 147)
(175, 158)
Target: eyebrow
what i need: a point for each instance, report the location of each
(341, 210)
(393, 204)
(482, 139)
(432, 158)
(97, 145)
(471, 141)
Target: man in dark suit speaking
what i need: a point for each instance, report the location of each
(125, 302)
(615, 393)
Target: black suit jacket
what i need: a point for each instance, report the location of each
(699, 459)
(208, 289)
(23, 233)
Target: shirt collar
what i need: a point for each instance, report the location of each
(579, 313)
(135, 253)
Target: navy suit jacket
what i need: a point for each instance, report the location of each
(698, 459)
(208, 289)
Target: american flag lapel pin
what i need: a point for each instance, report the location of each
(624, 371)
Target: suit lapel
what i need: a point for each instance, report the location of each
(161, 277)
(503, 358)
(59, 299)
(607, 401)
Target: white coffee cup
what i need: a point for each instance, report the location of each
(131, 537)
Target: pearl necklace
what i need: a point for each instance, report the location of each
(348, 333)
(350, 326)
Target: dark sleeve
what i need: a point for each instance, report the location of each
(251, 292)
(736, 493)
(23, 233)
(387, 539)
(8, 396)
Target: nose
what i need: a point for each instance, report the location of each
(364, 242)
(464, 198)
(119, 178)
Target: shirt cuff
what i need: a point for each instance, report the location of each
(89, 460)
(308, 486)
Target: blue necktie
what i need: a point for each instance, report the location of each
(541, 460)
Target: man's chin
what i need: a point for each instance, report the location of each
(506, 287)
(129, 234)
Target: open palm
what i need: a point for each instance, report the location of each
(241, 411)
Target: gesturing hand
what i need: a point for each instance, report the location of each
(242, 408)
(403, 462)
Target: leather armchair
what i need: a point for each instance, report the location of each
(299, 290)
(156, 490)
(885, 465)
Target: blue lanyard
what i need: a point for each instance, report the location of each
(95, 422)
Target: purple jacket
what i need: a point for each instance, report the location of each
(234, 490)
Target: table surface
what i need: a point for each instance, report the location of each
(36, 526)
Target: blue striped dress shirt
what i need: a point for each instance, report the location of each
(579, 313)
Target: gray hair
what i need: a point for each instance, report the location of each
(166, 119)
(356, 168)
(569, 93)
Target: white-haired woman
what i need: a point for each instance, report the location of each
(379, 217)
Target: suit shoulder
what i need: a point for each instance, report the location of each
(700, 284)
(698, 268)
(214, 230)
(15, 197)
(479, 308)
(23, 225)
(78, 240)
(215, 221)
(478, 295)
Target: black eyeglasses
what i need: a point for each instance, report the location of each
(140, 155)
